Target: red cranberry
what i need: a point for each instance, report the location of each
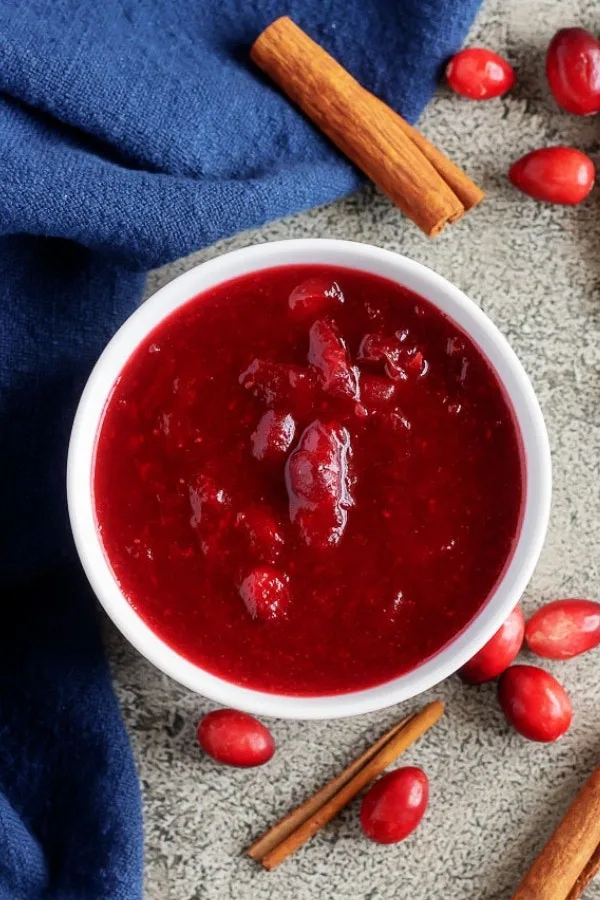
(535, 703)
(554, 174)
(394, 806)
(329, 356)
(564, 628)
(498, 653)
(479, 74)
(401, 360)
(208, 501)
(314, 297)
(266, 594)
(376, 392)
(273, 436)
(573, 71)
(318, 483)
(280, 385)
(381, 348)
(211, 515)
(262, 538)
(235, 738)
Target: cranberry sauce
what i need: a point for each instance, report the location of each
(308, 480)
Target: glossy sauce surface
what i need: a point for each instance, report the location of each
(308, 497)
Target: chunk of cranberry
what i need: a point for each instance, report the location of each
(376, 392)
(318, 483)
(314, 297)
(376, 348)
(260, 534)
(329, 355)
(211, 514)
(273, 436)
(280, 385)
(206, 498)
(416, 364)
(400, 359)
(266, 595)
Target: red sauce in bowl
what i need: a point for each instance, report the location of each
(308, 480)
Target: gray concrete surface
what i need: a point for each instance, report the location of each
(494, 797)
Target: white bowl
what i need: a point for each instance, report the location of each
(367, 259)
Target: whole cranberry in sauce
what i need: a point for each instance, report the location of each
(318, 484)
(273, 436)
(266, 594)
(314, 297)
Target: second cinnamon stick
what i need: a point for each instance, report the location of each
(286, 826)
(406, 735)
(554, 874)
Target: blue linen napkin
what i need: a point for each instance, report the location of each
(131, 133)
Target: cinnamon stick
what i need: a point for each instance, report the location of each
(589, 873)
(282, 842)
(469, 193)
(570, 858)
(372, 135)
(297, 817)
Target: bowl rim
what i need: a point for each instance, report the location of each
(445, 296)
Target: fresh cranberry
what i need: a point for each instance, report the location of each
(329, 355)
(573, 71)
(318, 483)
(554, 174)
(535, 703)
(564, 628)
(498, 653)
(273, 436)
(266, 594)
(235, 738)
(262, 538)
(314, 297)
(280, 385)
(479, 74)
(394, 806)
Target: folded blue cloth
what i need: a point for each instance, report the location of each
(131, 132)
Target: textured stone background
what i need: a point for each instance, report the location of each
(536, 272)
